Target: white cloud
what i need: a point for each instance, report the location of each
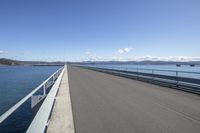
(92, 56)
(3, 52)
(123, 50)
(120, 56)
(120, 51)
(127, 49)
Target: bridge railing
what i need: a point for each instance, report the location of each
(186, 80)
(44, 87)
(41, 119)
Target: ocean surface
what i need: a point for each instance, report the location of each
(183, 70)
(15, 83)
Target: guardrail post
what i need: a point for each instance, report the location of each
(44, 89)
(152, 74)
(177, 82)
(53, 79)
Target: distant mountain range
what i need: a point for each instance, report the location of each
(4, 61)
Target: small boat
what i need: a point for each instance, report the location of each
(178, 65)
(192, 65)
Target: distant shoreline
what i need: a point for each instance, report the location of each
(9, 62)
(33, 65)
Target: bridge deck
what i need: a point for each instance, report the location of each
(104, 103)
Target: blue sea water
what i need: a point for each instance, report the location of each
(183, 70)
(15, 83)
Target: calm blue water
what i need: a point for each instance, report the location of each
(157, 68)
(15, 83)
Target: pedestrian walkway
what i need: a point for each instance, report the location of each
(62, 119)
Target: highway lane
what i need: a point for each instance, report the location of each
(103, 103)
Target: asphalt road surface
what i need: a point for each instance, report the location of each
(103, 103)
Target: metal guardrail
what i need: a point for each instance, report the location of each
(178, 79)
(40, 121)
(45, 85)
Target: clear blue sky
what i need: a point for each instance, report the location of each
(86, 29)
